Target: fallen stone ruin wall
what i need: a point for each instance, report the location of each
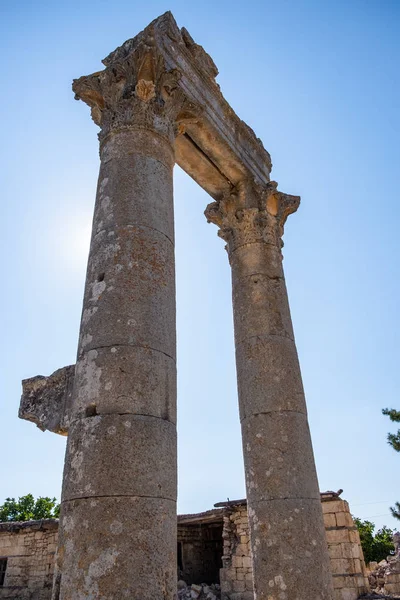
(392, 583)
(346, 558)
(29, 549)
(384, 577)
(236, 574)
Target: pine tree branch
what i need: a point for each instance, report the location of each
(394, 440)
(393, 414)
(395, 510)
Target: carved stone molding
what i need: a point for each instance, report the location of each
(137, 90)
(252, 213)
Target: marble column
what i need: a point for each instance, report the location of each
(118, 516)
(289, 549)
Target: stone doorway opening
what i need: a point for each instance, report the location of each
(200, 547)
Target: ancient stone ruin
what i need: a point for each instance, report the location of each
(213, 554)
(157, 103)
(384, 577)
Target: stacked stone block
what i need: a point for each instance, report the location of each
(384, 577)
(30, 548)
(237, 574)
(392, 583)
(347, 561)
(346, 558)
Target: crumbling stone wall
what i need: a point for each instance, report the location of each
(384, 577)
(29, 548)
(207, 540)
(392, 583)
(347, 562)
(236, 575)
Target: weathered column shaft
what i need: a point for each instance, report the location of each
(290, 557)
(118, 533)
(118, 516)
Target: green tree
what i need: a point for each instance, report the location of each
(366, 531)
(383, 542)
(26, 508)
(394, 440)
(375, 547)
(395, 510)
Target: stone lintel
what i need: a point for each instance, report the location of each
(219, 150)
(215, 515)
(46, 401)
(213, 145)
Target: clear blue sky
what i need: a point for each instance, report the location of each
(318, 82)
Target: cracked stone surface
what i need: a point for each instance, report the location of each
(157, 103)
(46, 401)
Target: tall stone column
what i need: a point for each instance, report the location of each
(118, 516)
(289, 550)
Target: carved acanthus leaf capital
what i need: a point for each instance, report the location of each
(252, 213)
(135, 88)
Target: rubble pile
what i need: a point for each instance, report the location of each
(374, 596)
(377, 576)
(198, 592)
(384, 577)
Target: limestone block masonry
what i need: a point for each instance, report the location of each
(29, 549)
(207, 541)
(346, 558)
(157, 103)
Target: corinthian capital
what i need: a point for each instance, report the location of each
(136, 89)
(252, 213)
